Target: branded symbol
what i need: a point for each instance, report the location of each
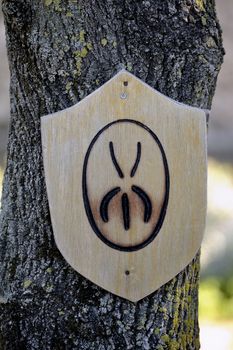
(118, 215)
(124, 198)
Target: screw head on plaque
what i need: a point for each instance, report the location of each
(125, 173)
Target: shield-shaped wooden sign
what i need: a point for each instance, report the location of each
(125, 171)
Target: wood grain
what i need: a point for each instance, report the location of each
(152, 227)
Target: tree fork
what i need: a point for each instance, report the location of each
(59, 52)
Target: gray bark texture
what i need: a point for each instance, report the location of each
(59, 52)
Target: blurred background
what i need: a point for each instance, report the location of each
(216, 289)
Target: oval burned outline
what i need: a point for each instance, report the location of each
(91, 219)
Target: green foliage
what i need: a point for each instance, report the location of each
(216, 298)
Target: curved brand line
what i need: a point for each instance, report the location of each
(135, 167)
(146, 201)
(114, 160)
(105, 203)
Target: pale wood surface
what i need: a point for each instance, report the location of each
(66, 136)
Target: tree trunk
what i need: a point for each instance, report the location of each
(59, 52)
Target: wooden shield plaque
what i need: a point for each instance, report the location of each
(126, 173)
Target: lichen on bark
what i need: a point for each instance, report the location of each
(59, 52)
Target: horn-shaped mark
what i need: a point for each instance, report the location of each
(146, 201)
(135, 167)
(125, 210)
(112, 153)
(105, 203)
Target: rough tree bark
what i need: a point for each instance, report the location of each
(59, 52)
